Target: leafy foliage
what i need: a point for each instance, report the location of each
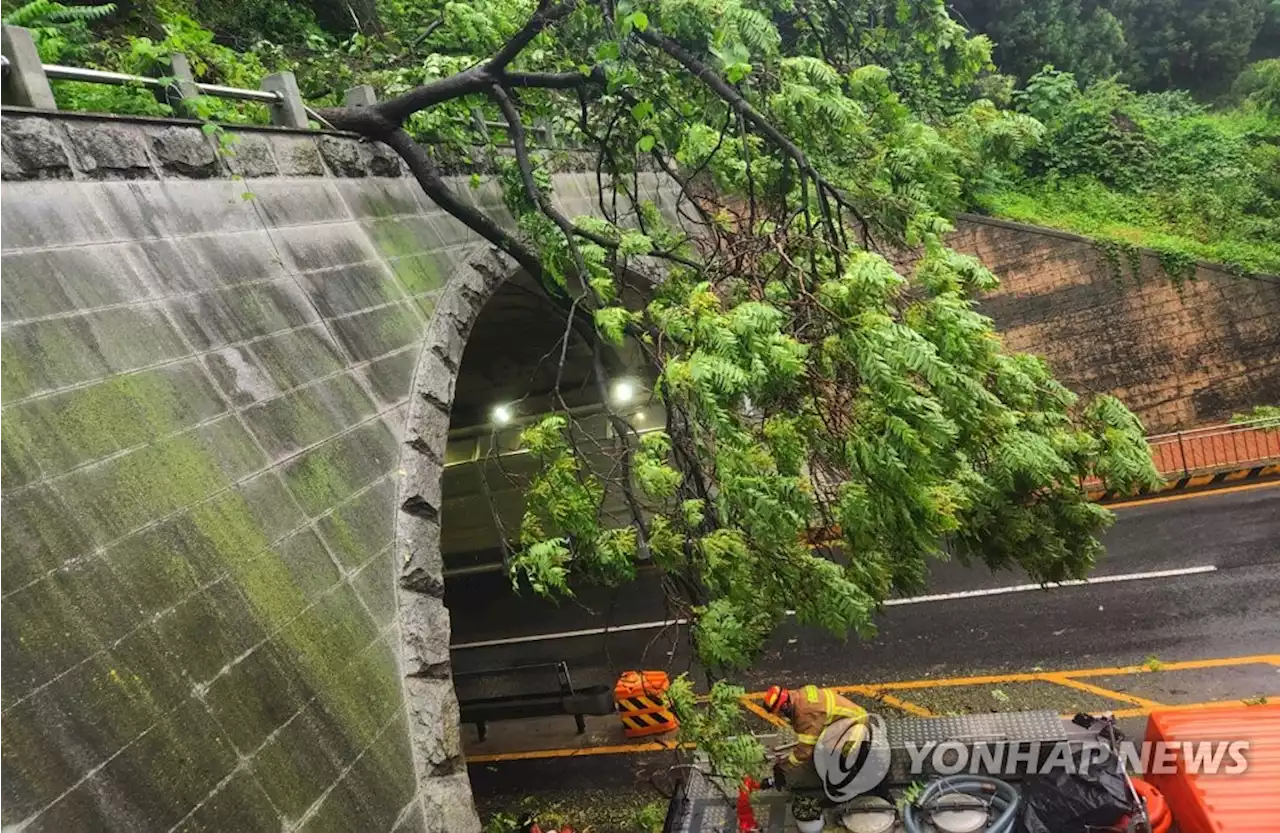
(1151, 44)
(56, 27)
(1262, 416)
(1259, 85)
(813, 392)
(1151, 169)
(837, 417)
(716, 724)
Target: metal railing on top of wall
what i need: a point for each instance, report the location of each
(1215, 447)
(26, 84)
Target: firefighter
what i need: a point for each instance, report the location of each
(809, 710)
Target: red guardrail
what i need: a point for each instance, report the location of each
(1214, 448)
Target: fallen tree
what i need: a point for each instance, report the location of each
(832, 422)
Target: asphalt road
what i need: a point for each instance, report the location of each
(1233, 610)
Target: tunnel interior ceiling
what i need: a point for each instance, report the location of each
(512, 359)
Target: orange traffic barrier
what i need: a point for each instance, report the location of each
(1157, 810)
(1202, 801)
(641, 698)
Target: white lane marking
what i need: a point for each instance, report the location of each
(936, 597)
(1022, 588)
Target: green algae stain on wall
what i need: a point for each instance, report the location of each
(325, 476)
(123, 493)
(51, 435)
(309, 415)
(323, 637)
(200, 619)
(295, 599)
(363, 526)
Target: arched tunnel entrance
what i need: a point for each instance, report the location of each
(508, 640)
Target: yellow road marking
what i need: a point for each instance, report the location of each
(1186, 665)
(760, 712)
(1103, 692)
(1034, 676)
(888, 699)
(1211, 704)
(616, 749)
(1244, 487)
(988, 679)
(1067, 678)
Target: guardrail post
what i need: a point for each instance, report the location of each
(1182, 452)
(543, 127)
(25, 83)
(184, 82)
(477, 119)
(360, 96)
(289, 111)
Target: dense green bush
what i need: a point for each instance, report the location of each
(1155, 169)
(1259, 85)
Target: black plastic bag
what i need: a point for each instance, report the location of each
(1092, 795)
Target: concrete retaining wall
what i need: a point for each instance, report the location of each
(214, 616)
(1179, 357)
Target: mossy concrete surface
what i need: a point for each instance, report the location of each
(207, 393)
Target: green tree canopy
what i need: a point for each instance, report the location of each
(1199, 45)
(1082, 36)
(832, 422)
(838, 413)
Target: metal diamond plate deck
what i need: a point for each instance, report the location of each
(1028, 735)
(704, 807)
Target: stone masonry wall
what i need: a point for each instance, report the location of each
(1178, 357)
(222, 378)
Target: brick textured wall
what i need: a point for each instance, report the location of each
(223, 378)
(1179, 357)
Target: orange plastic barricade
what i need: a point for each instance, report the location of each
(1221, 802)
(641, 697)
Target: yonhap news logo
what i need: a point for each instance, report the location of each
(852, 757)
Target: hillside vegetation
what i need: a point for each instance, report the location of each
(1193, 176)
(1153, 169)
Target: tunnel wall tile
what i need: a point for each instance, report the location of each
(207, 384)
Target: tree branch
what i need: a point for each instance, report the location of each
(515, 127)
(748, 112)
(380, 119)
(554, 80)
(542, 18)
(722, 88)
(435, 187)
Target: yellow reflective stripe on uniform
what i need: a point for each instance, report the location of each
(808, 740)
(811, 693)
(793, 760)
(829, 704)
(856, 712)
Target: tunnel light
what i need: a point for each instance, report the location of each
(624, 390)
(500, 415)
(639, 417)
